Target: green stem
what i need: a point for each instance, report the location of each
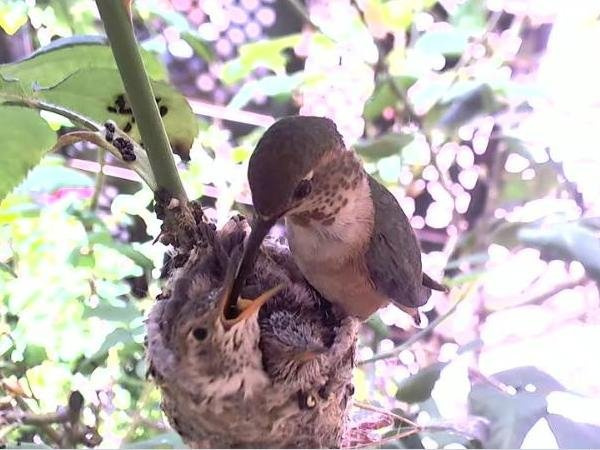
(74, 117)
(119, 30)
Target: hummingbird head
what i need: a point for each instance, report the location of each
(281, 168)
(299, 169)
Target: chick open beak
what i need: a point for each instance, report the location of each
(235, 281)
(232, 308)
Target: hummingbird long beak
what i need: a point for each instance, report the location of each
(229, 303)
(260, 228)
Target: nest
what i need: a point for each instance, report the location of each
(276, 376)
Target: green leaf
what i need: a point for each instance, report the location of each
(417, 388)
(477, 102)
(385, 95)
(269, 86)
(13, 15)
(104, 238)
(266, 53)
(566, 241)
(449, 42)
(123, 312)
(6, 268)
(383, 146)
(117, 336)
(25, 138)
(52, 64)
(166, 440)
(512, 415)
(34, 355)
(97, 93)
(201, 47)
(570, 434)
(51, 175)
(470, 16)
(79, 258)
(515, 189)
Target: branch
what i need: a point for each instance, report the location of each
(541, 298)
(410, 341)
(68, 416)
(65, 112)
(119, 30)
(424, 332)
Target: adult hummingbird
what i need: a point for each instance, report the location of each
(347, 233)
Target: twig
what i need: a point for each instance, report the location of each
(299, 9)
(68, 416)
(540, 298)
(400, 435)
(119, 30)
(410, 341)
(45, 106)
(376, 409)
(422, 333)
(50, 432)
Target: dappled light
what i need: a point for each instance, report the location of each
(479, 116)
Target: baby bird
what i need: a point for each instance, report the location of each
(272, 372)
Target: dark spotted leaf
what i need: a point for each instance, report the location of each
(99, 95)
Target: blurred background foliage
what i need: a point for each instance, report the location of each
(477, 114)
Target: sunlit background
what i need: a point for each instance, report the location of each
(480, 116)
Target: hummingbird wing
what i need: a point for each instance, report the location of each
(394, 256)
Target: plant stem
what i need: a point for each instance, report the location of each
(119, 30)
(100, 176)
(467, 290)
(414, 338)
(74, 117)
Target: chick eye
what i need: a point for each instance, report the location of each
(199, 333)
(303, 189)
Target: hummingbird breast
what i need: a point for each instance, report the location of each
(331, 254)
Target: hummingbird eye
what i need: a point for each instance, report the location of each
(303, 189)
(199, 333)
